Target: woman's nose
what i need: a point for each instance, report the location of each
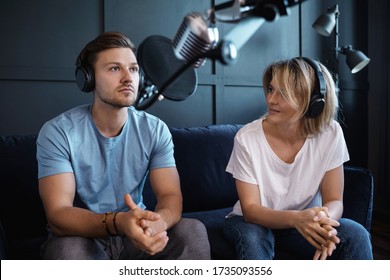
(273, 97)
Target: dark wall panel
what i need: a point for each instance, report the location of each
(196, 110)
(39, 46)
(379, 101)
(241, 105)
(27, 105)
(41, 39)
(354, 121)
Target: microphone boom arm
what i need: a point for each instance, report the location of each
(250, 25)
(227, 50)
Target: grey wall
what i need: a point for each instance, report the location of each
(41, 39)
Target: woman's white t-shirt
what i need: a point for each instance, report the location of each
(286, 186)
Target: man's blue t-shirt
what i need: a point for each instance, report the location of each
(105, 169)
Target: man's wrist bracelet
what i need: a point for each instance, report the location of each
(105, 223)
(114, 222)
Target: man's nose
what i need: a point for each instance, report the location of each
(127, 77)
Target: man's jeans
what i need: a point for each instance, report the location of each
(187, 240)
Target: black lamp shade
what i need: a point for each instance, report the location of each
(324, 24)
(356, 60)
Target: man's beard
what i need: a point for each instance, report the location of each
(117, 103)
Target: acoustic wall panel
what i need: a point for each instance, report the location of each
(197, 110)
(27, 105)
(41, 40)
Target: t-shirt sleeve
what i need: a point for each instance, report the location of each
(340, 153)
(52, 152)
(162, 155)
(240, 163)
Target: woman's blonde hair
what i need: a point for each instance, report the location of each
(296, 79)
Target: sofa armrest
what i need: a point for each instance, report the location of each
(18, 172)
(3, 243)
(358, 195)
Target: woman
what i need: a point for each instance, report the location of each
(288, 167)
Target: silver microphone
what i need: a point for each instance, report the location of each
(193, 39)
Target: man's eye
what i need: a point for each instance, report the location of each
(115, 68)
(134, 69)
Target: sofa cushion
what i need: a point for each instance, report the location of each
(214, 220)
(201, 155)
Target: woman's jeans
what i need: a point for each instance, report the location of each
(255, 242)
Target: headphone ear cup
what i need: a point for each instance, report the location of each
(317, 97)
(85, 78)
(316, 106)
(141, 79)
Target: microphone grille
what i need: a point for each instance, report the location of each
(192, 39)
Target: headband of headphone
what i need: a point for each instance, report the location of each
(317, 97)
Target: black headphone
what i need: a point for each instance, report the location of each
(85, 77)
(317, 97)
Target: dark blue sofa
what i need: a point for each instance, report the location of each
(208, 191)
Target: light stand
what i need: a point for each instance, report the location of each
(324, 25)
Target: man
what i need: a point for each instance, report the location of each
(93, 161)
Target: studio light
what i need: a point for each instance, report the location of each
(326, 22)
(324, 25)
(356, 60)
